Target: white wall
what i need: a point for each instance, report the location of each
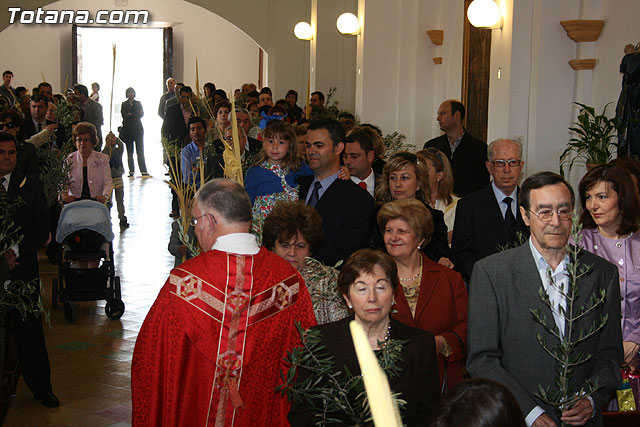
(534, 98)
(400, 87)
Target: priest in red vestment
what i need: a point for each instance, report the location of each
(212, 346)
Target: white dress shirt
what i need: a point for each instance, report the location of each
(370, 181)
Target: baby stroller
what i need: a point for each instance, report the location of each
(85, 262)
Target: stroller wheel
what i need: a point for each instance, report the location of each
(114, 309)
(69, 312)
(54, 292)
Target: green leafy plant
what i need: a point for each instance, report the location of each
(395, 142)
(327, 391)
(564, 395)
(595, 138)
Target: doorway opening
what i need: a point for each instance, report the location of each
(140, 63)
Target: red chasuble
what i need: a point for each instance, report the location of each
(212, 346)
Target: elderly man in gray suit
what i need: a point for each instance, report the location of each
(504, 287)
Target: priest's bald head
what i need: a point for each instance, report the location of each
(221, 207)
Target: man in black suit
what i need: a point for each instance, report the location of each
(466, 154)
(176, 118)
(38, 121)
(32, 217)
(345, 208)
(244, 121)
(359, 156)
(489, 219)
(174, 128)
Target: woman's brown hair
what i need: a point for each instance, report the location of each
(619, 180)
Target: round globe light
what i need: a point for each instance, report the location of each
(348, 23)
(484, 14)
(303, 31)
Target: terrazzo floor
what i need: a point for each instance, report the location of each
(91, 359)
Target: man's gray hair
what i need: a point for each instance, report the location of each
(241, 131)
(227, 198)
(242, 110)
(491, 146)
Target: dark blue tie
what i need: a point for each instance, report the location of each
(315, 195)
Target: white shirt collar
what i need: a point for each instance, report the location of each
(237, 243)
(370, 181)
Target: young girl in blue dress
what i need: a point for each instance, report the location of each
(275, 174)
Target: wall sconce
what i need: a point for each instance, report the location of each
(484, 14)
(348, 23)
(303, 31)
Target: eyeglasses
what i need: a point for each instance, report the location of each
(194, 220)
(545, 215)
(513, 163)
(84, 140)
(9, 125)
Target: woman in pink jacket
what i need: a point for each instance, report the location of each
(90, 173)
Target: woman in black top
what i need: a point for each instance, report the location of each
(132, 131)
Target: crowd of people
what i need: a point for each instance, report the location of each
(440, 255)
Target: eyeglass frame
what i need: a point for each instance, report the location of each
(500, 164)
(557, 212)
(194, 221)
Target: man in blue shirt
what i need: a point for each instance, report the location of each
(194, 153)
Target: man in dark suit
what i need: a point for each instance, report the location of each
(38, 121)
(214, 166)
(92, 111)
(466, 154)
(174, 127)
(244, 121)
(359, 156)
(488, 220)
(502, 332)
(345, 208)
(32, 217)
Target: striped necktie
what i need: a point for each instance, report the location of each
(4, 196)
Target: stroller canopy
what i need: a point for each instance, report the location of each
(84, 214)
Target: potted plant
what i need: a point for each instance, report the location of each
(595, 139)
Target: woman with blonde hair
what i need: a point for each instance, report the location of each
(407, 177)
(441, 185)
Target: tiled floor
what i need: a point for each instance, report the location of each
(91, 359)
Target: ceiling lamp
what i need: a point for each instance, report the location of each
(484, 14)
(303, 31)
(348, 23)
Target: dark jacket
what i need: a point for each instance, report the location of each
(33, 219)
(174, 128)
(479, 230)
(346, 210)
(131, 115)
(468, 162)
(417, 383)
